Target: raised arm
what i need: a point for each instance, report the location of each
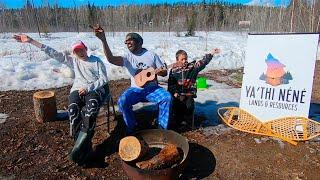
(200, 65)
(99, 32)
(61, 57)
(26, 39)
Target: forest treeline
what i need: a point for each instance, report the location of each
(299, 16)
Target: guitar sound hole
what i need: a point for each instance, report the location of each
(148, 74)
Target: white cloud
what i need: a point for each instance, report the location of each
(269, 3)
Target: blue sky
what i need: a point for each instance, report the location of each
(70, 3)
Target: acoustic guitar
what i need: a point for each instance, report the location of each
(149, 74)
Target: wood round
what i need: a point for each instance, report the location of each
(131, 148)
(45, 106)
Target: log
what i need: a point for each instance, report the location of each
(45, 106)
(131, 148)
(167, 157)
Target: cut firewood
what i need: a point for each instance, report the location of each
(132, 148)
(45, 106)
(167, 157)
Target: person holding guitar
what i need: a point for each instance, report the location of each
(136, 60)
(181, 85)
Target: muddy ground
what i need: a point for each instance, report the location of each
(30, 150)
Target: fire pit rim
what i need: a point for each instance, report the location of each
(166, 171)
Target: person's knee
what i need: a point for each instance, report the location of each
(190, 104)
(167, 98)
(124, 101)
(73, 110)
(92, 105)
(73, 97)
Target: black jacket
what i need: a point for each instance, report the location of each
(182, 80)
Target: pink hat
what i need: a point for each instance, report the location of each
(79, 45)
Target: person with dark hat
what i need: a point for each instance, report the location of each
(86, 95)
(135, 61)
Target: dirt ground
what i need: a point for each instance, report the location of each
(30, 150)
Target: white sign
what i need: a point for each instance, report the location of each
(278, 75)
(244, 24)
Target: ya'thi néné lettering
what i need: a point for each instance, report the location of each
(276, 94)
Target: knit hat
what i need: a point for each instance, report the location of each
(79, 45)
(136, 37)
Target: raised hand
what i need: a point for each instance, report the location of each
(98, 31)
(215, 51)
(22, 38)
(208, 56)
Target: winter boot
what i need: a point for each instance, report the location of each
(81, 148)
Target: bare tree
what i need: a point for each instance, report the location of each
(299, 16)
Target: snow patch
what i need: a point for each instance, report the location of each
(216, 96)
(280, 142)
(216, 130)
(25, 67)
(3, 118)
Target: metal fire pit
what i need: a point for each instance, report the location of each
(158, 138)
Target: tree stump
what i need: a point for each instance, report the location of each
(132, 148)
(167, 157)
(45, 106)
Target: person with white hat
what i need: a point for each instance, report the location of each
(87, 94)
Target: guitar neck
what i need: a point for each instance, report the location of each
(160, 69)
